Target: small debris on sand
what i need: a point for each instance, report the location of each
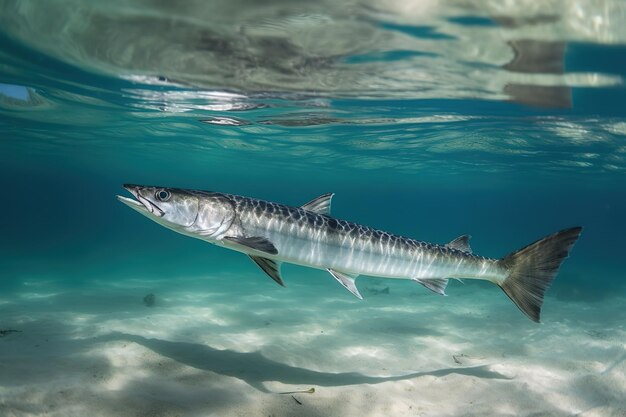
(149, 300)
(457, 358)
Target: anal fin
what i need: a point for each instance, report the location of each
(270, 267)
(436, 285)
(347, 281)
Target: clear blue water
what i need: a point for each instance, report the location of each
(427, 119)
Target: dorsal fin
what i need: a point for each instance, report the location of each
(320, 205)
(461, 243)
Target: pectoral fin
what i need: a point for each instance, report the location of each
(255, 242)
(436, 285)
(270, 267)
(320, 205)
(347, 281)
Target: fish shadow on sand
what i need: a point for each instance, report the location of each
(255, 369)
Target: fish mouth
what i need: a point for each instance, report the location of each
(141, 204)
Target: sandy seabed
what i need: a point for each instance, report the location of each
(222, 346)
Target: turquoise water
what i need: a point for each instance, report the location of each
(427, 119)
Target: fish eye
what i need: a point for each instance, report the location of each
(162, 195)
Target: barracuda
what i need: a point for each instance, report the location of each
(271, 233)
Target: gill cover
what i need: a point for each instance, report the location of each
(215, 216)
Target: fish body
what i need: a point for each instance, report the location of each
(271, 233)
(317, 240)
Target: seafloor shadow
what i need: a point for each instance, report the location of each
(255, 369)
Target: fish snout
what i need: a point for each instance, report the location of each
(150, 206)
(131, 188)
(135, 190)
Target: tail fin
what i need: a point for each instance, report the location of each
(532, 269)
